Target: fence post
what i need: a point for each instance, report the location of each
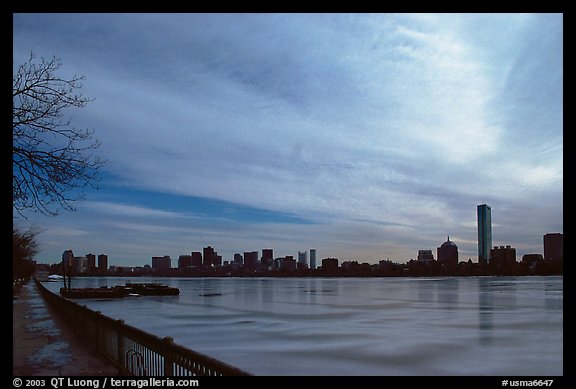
(97, 330)
(168, 361)
(121, 353)
(176, 359)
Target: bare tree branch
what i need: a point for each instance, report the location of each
(50, 159)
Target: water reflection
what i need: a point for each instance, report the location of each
(267, 290)
(448, 293)
(425, 290)
(553, 296)
(485, 310)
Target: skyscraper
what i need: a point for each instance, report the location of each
(554, 246)
(209, 256)
(312, 258)
(90, 261)
(250, 260)
(484, 233)
(184, 261)
(267, 257)
(196, 259)
(302, 258)
(102, 262)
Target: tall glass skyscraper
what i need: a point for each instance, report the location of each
(484, 233)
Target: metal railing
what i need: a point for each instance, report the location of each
(131, 350)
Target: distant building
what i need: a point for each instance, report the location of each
(250, 260)
(425, 256)
(502, 255)
(484, 232)
(288, 263)
(447, 253)
(554, 247)
(329, 264)
(267, 257)
(102, 262)
(79, 265)
(90, 262)
(209, 256)
(312, 258)
(532, 259)
(161, 263)
(196, 259)
(184, 261)
(302, 259)
(238, 259)
(122, 269)
(386, 264)
(350, 265)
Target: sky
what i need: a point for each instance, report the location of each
(364, 136)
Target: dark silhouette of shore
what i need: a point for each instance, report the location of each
(353, 269)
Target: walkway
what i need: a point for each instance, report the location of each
(44, 346)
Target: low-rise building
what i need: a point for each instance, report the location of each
(500, 256)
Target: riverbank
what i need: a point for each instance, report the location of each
(42, 345)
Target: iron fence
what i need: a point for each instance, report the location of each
(133, 351)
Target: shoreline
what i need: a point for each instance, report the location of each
(43, 345)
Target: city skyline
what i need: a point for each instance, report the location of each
(447, 253)
(363, 136)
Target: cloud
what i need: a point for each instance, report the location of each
(396, 124)
(127, 210)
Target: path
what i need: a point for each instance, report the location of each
(44, 346)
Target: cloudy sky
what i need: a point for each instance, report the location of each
(364, 136)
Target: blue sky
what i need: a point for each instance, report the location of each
(365, 136)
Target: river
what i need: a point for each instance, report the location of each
(356, 326)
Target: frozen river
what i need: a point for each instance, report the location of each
(357, 326)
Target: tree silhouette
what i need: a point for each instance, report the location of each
(24, 246)
(51, 160)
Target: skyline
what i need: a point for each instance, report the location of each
(363, 136)
(301, 255)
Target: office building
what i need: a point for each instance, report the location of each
(554, 247)
(425, 256)
(302, 259)
(484, 233)
(196, 259)
(500, 256)
(312, 258)
(79, 265)
(238, 259)
(184, 261)
(161, 263)
(250, 260)
(267, 257)
(288, 263)
(102, 262)
(532, 259)
(209, 256)
(90, 262)
(330, 264)
(447, 253)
